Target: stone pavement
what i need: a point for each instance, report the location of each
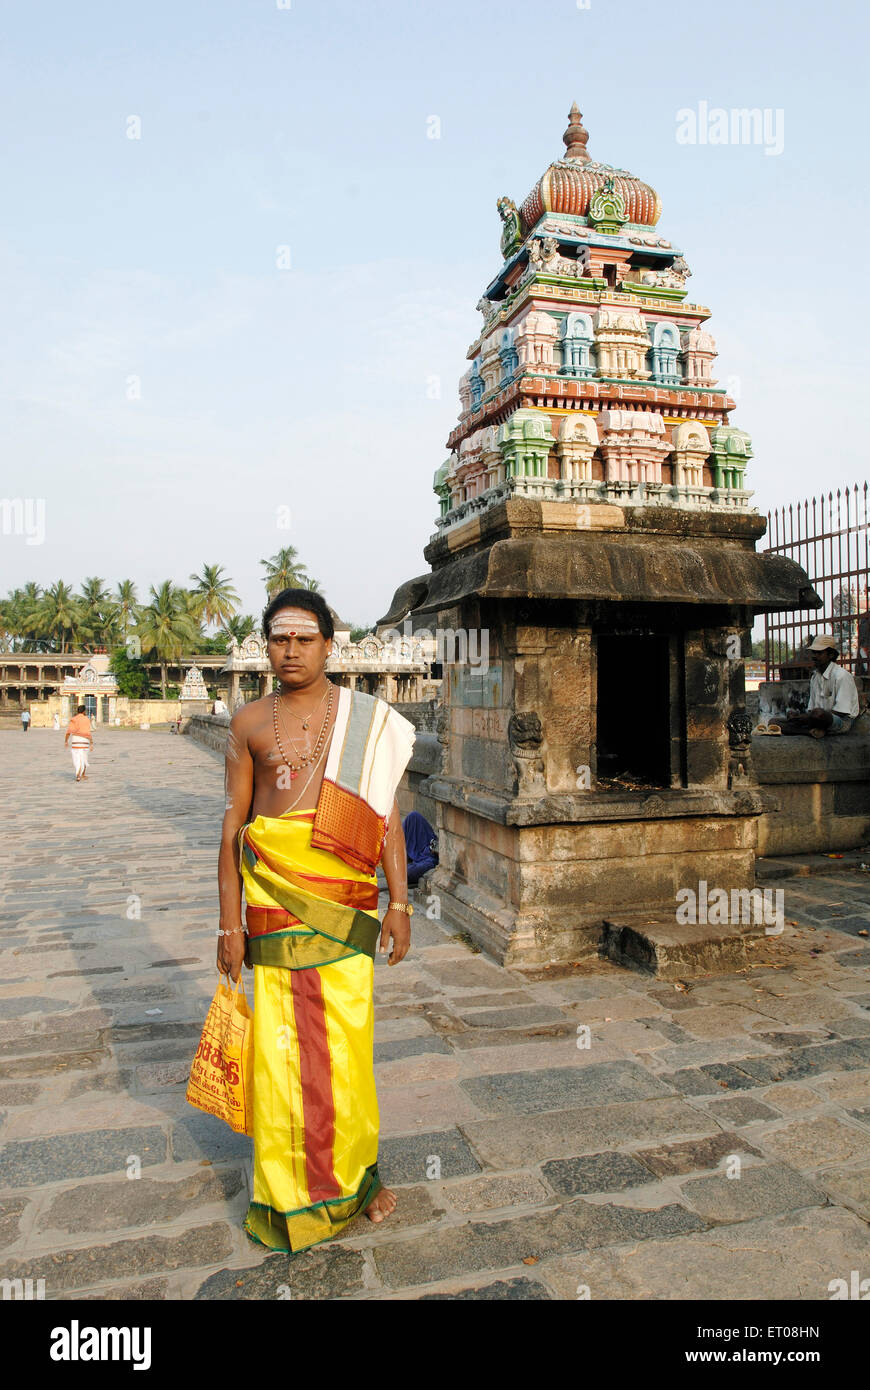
(711, 1141)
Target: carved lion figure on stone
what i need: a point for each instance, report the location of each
(525, 737)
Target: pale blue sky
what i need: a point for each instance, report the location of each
(307, 127)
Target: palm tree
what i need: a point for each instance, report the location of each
(60, 615)
(22, 617)
(96, 605)
(166, 626)
(241, 626)
(284, 571)
(190, 603)
(313, 585)
(126, 607)
(10, 619)
(216, 599)
(8, 623)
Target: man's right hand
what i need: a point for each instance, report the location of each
(231, 954)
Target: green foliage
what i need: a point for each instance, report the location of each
(285, 571)
(98, 613)
(211, 646)
(59, 616)
(166, 627)
(240, 627)
(131, 675)
(171, 625)
(214, 597)
(358, 633)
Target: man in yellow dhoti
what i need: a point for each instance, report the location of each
(311, 776)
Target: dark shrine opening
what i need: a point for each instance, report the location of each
(634, 715)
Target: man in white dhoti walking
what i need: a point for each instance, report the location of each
(81, 740)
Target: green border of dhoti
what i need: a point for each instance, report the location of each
(297, 1230)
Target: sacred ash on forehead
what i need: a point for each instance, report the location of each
(292, 621)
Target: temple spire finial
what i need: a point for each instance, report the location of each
(576, 136)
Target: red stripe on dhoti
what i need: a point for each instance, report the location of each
(315, 1064)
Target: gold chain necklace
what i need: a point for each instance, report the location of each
(295, 768)
(304, 787)
(306, 721)
(296, 751)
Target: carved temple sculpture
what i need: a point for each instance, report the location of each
(594, 523)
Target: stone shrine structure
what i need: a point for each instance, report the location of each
(95, 686)
(193, 696)
(596, 525)
(194, 686)
(247, 658)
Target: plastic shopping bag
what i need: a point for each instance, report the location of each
(222, 1071)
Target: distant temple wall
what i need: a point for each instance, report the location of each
(210, 730)
(123, 711)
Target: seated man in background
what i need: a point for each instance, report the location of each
(833, 702)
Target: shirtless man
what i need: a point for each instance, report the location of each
(267, 739)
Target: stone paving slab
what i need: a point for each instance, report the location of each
(543, 1129)
(750, 1192)
(791, 1256)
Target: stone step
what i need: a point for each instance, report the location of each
(669, 951)
(802, 865)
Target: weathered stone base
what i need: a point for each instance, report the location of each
(536, 894)
(671, 952)
(512, 938)
(821, 790)
(657, 946)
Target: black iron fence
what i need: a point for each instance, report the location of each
(828, 536)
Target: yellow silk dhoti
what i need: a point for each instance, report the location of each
(315, 1111)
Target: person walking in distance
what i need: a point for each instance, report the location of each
(81, 741)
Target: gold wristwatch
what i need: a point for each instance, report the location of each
(401, 907)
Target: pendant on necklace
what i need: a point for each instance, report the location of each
(293, 776)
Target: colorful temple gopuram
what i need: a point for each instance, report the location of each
(595, 550)
(592, 378)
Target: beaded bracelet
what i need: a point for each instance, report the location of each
(235, 931)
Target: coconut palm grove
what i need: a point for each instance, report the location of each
(172, 622)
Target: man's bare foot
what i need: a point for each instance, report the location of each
(381, 1206)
